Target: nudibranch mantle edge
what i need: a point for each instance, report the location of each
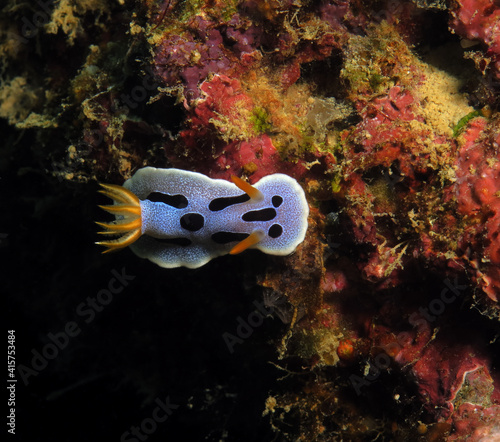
(187, 219)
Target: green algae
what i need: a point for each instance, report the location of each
(192, 8)
(336, 184)
(260, 120)
(460, 126)
(377, 61)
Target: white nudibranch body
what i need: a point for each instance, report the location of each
(178, 218)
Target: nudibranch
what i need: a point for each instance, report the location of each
(178, 218)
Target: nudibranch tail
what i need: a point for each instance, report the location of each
(127, 209)
(250, 190)
(254, 238)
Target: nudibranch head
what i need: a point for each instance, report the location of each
(178, 218)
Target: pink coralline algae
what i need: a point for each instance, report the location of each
(386, 137)
(223, 104)
(478, 194)
(479, 20)
(256, 157)
(439, 365)
(204, 48)
(391, 141)
(476, 423)
(224, 120)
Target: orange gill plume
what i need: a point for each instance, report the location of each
(128, 225)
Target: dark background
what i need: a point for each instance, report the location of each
(160, 337)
